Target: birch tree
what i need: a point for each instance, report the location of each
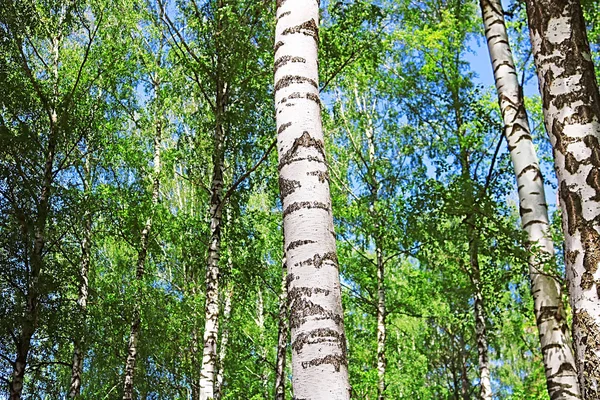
(550, 316)
(571, 105)
(82, 300)
(319, 361)
(142, 254)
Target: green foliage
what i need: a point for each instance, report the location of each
(417, 168)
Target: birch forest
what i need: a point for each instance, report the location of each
(299, 199)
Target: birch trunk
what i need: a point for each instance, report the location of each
(571, 105)
(480, 329)
(36, 262)
(559, 360)
(282, 337)
(86, 245)
(142, 256)
(381, 328)
(381, 309)
(319, 361)
(224, 342)
(465, 385)
(211, 321)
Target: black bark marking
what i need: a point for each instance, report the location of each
(589, 340)
(531, 167)
(303, 309)
(593, 179)
(289, 279)
(289, 80)
(317, 260)
(572, 205)
(314, 97)
(283, 60)
(571, 163)
(305, 141)
(523, 210)
(587, 281)
(336, 360)
(283, 127)
(301, 205)
(548, 313)
(590, 239)
(277, 46)
(308, 28)
(299, 243)
(571, 256)
(534, 221)
(287, 187)
(320, 335)
(308, 291)
(591, 143)
(322, 175)
(283, 14)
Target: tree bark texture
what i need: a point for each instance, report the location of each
(571, 105)
(223, 343)
(485, 384)
(282, 337)
(377, 239)
(86, 245)
(559, 360)
(36, 259)
(132, 345)
(211, 321)
(319, 361)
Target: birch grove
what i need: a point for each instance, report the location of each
(394, 240)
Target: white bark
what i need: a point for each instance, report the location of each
(571, 104)
(223, 343)
(211, 318)
(559, 360)
(319, 363)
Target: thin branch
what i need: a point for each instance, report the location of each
(357, 250)
(247, 174)
(488, 179)
(91, 36)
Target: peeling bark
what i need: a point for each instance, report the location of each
(319, 362)
(559, 360)
(571, 105)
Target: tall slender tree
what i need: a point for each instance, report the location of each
(142, 253)
(550, 316)
(319, 362)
